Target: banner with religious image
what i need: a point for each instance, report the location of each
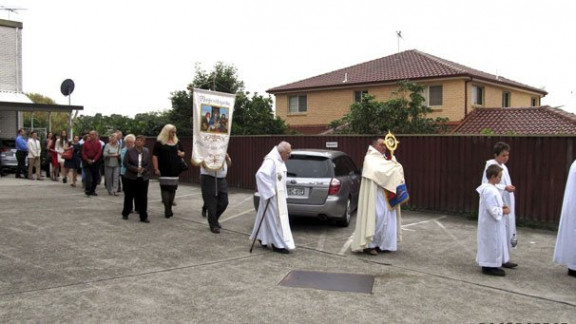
(212, 124)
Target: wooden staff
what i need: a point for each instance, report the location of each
(260, 225)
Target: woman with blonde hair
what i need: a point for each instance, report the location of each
(167, 161)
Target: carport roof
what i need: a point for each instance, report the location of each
(17, 101)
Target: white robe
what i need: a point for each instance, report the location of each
(385, 234)
(508, 198)
(492, 247)
(565, 250)
(275, 227)
(376, 222)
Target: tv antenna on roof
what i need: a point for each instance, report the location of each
(399, 35)
(11, 9)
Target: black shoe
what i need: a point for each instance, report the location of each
(370, 251)
(572, 273)
(280, 250)
(93, 194)
(215, 230)
(262, 245)
(64, 180)
(509, 265)
(204, 212)
(145, 221)
(493, 271)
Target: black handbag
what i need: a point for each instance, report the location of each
(183, 165)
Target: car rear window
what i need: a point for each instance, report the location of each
(304, 166)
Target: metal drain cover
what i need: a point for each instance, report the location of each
(345, 282)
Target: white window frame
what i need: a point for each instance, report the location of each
(475, 100)
(506, 99)
(298, 109)
(362, 93)
(426, 95)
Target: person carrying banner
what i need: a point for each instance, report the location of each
(271, 226)
(376, 220)
(215, 193)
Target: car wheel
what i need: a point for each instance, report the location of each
(344, 221)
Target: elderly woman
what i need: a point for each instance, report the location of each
(167, 161)
(112, 164)
(126, 184)
(137, 176)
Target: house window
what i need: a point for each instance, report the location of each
(359, 94)
(477, 95)
(298, 104)
(505, 99)
(435, 95)
(534, 102)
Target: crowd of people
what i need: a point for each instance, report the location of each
(128, 164)
(123, 164)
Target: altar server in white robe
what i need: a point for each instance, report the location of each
(271, 181)
(376, 222)
(565, 251)
(491, 238)
(501, 155)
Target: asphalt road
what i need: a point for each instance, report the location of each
(65, 257)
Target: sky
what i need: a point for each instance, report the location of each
(126, 57)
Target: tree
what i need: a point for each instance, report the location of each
(403, 114)
(52, 121)
(252, 115)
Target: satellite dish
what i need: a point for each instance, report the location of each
(67, 87)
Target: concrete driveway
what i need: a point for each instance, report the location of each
(65, 257)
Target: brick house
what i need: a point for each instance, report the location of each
(452, 90)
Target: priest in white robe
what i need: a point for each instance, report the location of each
(501, 156)
(376, 222)
(271, 181)
(565, 250)
(491, 237)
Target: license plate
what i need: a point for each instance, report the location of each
(295, 191)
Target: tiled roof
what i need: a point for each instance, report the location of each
(518, 121)
(407, 65)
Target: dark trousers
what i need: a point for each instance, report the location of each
(21, 158)
(215, 196)
(92, 173)
(128, 186)
(141, 197)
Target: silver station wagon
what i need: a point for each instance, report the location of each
(321, 183)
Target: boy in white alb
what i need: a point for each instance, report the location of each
(492, 245)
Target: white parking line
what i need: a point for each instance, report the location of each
(423, 222)
(346, 245)
(241, 202)
(237, 215)
(457, 240)
(159, 200)
(321, 240)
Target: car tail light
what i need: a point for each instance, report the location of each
(4, 149)
(335, 186)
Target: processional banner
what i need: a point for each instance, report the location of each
(212, 123)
